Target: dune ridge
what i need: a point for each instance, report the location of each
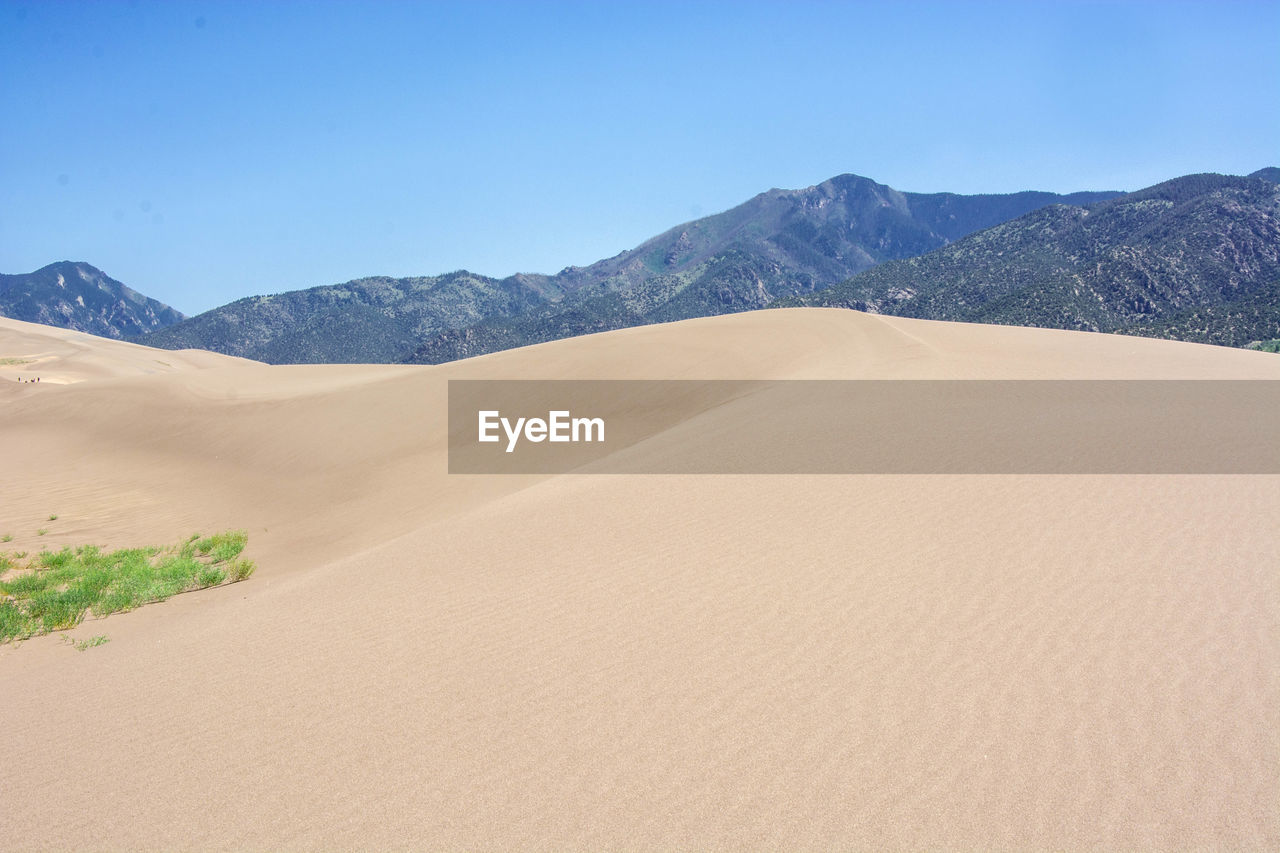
(649, 662)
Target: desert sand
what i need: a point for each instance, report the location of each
(597, 662)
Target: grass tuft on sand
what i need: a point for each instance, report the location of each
(55, 590)
(85, 645)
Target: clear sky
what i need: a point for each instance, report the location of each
(200, 152)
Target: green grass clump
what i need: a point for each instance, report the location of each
(55, 590)
(210, 576)
(241, 569)
(13, 622)
(228, 545)
(8, 537)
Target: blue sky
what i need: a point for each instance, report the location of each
(200, 152)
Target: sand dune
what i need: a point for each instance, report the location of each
(62, 356)
(587, 662)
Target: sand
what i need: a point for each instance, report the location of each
(63, 357)
(646, 662)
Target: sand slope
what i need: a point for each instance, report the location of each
(635, 662)
(64, 356)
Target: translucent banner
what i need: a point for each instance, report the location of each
(864, 427)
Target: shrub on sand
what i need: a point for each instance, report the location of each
(56, 590)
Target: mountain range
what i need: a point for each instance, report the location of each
(1194, 258)
(780, 243)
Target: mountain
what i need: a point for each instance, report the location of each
(819, 234)
(1196, 258)
(76, 295)
(780, 243)
(367, 320)
(1251, 320)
